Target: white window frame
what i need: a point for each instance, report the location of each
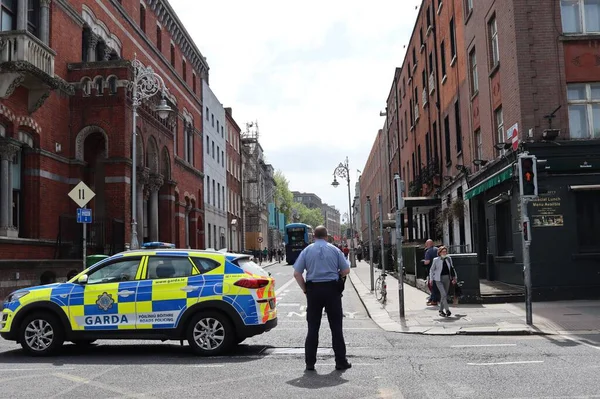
(474, 74)
(494, 44)
(582, 19)
(589, 102)
(499, 123)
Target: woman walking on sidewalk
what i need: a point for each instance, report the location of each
(441, 273)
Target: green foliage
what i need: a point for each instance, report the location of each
(313, 217)
(284, 199)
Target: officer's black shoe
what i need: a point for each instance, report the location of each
(310, 367)
(343, 366)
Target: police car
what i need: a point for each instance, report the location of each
(211, 299)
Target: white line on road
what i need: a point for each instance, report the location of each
(38, 369)
(506, 363)
(283, 287)
(580, 342)
(480, 346)
(209, 365)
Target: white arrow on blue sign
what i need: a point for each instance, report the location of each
(84, 215)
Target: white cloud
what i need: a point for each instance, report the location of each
(314, 74)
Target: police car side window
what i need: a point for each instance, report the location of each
(124, 270)
(165, 267)
(205, 265)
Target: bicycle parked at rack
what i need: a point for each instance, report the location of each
(381, 287)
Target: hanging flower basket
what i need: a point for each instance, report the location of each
(458, 208)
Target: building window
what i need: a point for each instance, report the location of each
(443, 58)
(194, 82)
(580, 16)
(189, 155)
(588, 221)
(218, 155)
(447, 137)
(222, 132)
(494, 47)
(219, 195)
(208, 145)
(478, 145)
(143, 18)
(33, 16)
(212, 118)
(208, 189)
(223, 194)
(474, 74)
(499, 121)
(214, 197)
(158, 38)
(504, 229)
(8, 11)
(452, 40)
(209, 236)
(112, 85)
(223, 158)
(207, 113)
(584, 110)
(458, 127)
(172, 54)
(468, 7)
(213, 149)
(184, 70)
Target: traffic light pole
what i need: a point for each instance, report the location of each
(370, 224)
(526, 260)
(528, 190)
(400, 202)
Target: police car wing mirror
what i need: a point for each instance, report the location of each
(83, 279)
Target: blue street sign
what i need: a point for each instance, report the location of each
(84, 215)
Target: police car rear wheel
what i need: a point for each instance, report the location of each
(210, 334)
(41, 335)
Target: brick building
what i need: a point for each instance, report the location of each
(66, 116)
(481, 82)
(235, 221)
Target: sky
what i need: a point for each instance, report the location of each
(314, 74)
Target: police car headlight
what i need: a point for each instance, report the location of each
(15, 296)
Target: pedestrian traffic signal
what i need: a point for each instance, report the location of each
(528, 175)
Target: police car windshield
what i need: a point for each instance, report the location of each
(249, 266)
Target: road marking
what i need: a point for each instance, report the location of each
(38, 369)
(283, 287)
(480, 346)
(353, 364)
(209, 365)
(287, 304)
(506, 363)
(580, 342)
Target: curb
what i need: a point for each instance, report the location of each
(381, 317)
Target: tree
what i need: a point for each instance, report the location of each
(284, 198)
(313, 217)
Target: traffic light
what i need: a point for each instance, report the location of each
(528, 175)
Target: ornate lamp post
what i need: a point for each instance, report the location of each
(145, 84)
(343, 171)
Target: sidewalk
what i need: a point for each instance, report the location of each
(562, 317)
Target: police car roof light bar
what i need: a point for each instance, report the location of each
(157, 244)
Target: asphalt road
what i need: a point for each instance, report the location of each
(385, 365)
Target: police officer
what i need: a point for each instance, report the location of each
(325, 267)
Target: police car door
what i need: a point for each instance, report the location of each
(163, 294)
(107, 300)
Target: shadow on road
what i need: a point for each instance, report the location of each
(313, 380)
(135, 354)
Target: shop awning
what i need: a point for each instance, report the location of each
(490, 182)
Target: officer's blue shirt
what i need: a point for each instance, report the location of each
(322, 262)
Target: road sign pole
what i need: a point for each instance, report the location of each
(382, 255)
(370, 224)
(84, 242)
(399, 207)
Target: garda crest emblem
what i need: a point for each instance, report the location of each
(105, 301)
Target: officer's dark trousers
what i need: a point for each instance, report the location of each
(324, 295)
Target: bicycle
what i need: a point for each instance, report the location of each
(381, 288)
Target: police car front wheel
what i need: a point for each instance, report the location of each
(42, 334)
(210, 333)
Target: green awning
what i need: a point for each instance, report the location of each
(490, 182)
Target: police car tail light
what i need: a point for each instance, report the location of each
(252, 282)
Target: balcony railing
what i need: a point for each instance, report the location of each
(22, 46)
(425, 178)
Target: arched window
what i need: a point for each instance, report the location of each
(112, 85)
(86, 86)
(99, 83)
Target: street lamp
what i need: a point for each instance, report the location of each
(145, 84)
(343, 171)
